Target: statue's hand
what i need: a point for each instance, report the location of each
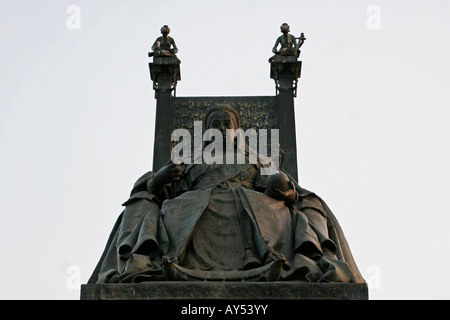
(170, 172)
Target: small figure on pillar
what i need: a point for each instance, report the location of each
(164, 46)
(284, 67)
(289, 44)
(165, 69)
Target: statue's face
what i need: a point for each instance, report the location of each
(285, 28)
(165, 31)
(222, 120)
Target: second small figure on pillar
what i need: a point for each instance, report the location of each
(289, 44)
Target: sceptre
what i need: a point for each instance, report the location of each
(173, 186)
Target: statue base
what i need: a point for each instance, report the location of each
(209, 290)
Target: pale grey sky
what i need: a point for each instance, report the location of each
(77, 120)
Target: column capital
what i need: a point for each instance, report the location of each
(165, 73)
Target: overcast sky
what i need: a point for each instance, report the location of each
(77, 124)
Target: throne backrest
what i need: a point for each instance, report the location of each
(257, 112)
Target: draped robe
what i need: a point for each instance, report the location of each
(219, 221)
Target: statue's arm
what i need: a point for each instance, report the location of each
(274, 49)
(155, 44)
(294, 41)
(155, 187)
(169, 173)
(175, 49)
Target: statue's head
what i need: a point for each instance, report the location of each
(223, 117)
(222, 114)
(285, 28)
(165, 30)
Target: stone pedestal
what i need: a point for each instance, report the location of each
(208, 290)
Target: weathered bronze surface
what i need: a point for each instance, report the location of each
(164, 46)
(290, 47)
(165, 69)
(285, 69)
(225, 222)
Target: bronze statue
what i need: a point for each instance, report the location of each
(289, 46)
(164, 46)
(224, 222)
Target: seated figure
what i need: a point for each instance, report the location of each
(288, 44)
(224, 222)
(164, 46)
